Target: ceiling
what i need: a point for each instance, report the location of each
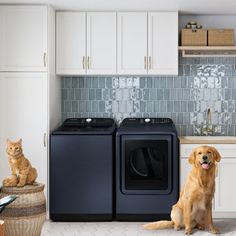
(184, 6)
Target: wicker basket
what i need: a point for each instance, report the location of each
(220, 37)
(194, 38)
(26, 215)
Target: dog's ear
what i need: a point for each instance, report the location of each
(191, 158)
(216, 154)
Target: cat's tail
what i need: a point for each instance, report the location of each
(163, 224)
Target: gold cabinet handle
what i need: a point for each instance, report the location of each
(83, 62)
(150, 62)
(88, 66)
(145, 62)
(44, 139)
(45, 59)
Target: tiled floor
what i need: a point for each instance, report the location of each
(227, 227)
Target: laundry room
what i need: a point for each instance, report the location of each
(117, 117)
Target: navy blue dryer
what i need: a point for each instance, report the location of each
(147, 169)
(81, 170)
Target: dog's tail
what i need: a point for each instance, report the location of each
(163, 224)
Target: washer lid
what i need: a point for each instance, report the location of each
(87, 126)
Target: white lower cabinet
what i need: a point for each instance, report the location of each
(225, 192)
(185, 168)
(23, 105)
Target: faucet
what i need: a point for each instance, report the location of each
(208, 128)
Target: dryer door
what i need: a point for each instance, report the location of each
(146, 164)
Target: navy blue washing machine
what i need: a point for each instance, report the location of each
(147, 169)
(81, 170)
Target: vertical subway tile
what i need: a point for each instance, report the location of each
(146, 94)
(84, 94)
(142, 82)
(105, 94)
(64, 94)
(142, 106)
(160, 94)
(163, 82)
(101, 106)
(101, 82)
(67, 106)
(108, 82)
(153, 94)
(68, 82)
(88, 82)
(88, 106)
(149, 82)
(81, 82)
(91, 94)
(156, 106)
(98, 94)
(74, 106)
(95, 106)
(119, 94)
(94, 82)
(74, 82)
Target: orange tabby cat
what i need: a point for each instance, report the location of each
(22, 171)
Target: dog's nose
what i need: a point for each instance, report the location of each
(204, 158)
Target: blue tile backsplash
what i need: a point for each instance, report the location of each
(202, 83)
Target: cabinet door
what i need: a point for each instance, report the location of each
(101, 43)
(23, 38)
(70, 43)
(132, 43)
(23, 105)
(163, 43)
(225, 194)
(185, 169)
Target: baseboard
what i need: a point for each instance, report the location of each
(221, 215)
(81, 217)
(142, 217)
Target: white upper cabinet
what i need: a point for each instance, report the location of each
(70, 43)
(97, 43)
(132, 43)
(163, 43)
(23, 38)
(148, 43)
(86, 43)
(101, 43)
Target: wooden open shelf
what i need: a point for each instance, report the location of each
(208, 51)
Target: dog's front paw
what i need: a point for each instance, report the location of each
(188, 231)
(214, 230)
(200, 227)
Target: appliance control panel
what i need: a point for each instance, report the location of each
(146, 121)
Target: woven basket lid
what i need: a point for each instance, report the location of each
(37, 187)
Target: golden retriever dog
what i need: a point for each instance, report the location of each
(194, 207)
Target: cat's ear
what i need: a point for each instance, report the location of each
(20, 141)
(8, 141)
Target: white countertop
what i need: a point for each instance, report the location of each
(207, 139)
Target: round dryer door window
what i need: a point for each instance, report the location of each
(147, 164)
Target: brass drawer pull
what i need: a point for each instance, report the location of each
(83, 62)
(45, 59)
(88, 63)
